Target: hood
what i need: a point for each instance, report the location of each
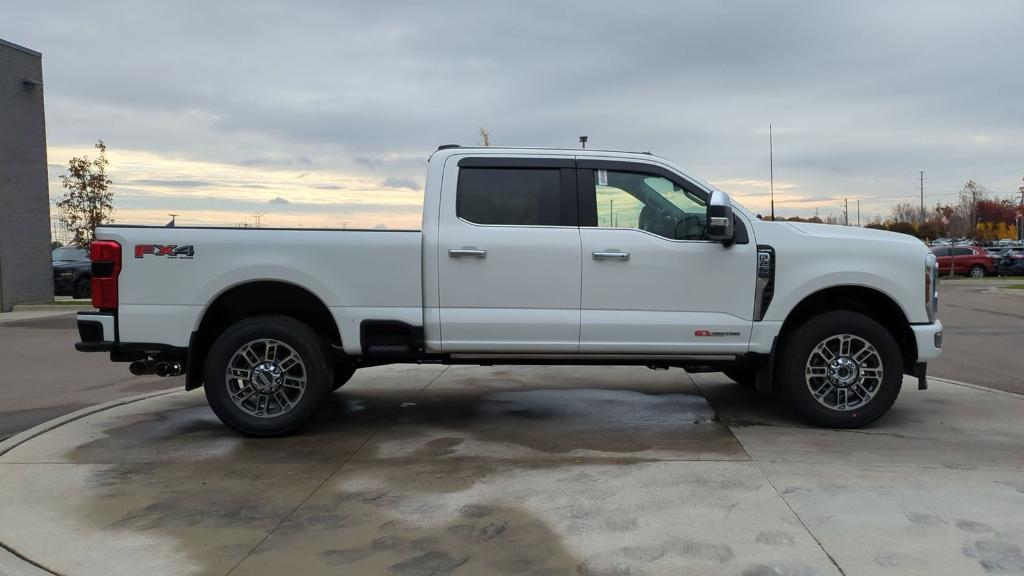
(852, 233)
(71, 264)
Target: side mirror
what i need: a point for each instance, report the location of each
(719, 226)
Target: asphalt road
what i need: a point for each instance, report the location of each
(983, 341)
(42, 377)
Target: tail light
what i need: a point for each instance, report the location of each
(106, 266)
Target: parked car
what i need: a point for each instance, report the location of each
(1010, 262)
(971, 261)
(996, 253)
(518, 261)
(72, 272)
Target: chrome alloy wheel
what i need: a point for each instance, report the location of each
(266, 378)
(844, 372)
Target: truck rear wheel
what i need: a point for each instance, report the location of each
(841, 370)
(267, 376)
(82, 289)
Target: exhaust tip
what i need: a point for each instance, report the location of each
(165, 369)
(139, 367)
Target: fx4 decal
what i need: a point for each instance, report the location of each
(171, 251)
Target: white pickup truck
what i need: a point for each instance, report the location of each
(526, 256)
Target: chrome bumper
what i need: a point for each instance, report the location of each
(929, 340)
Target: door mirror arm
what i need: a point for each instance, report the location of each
(720, 226)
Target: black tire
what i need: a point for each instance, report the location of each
(82, 289)
(743, 375)
(342, 374)
(977, 271)
(307, 344)
(796, 352)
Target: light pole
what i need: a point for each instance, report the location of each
(771, 168)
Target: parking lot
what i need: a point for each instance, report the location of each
(519, 470)
(49, 378)
(983, 332)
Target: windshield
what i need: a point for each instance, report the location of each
(69, 254)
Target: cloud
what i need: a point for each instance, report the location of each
(371, 163)
(858, 102)
(393, 182)
(277, 161)
(169, 183)
(278, 200)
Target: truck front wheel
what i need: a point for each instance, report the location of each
(267, 376)
(840, 370)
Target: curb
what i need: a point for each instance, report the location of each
(1004, 291)
(52, 307)
(28, 316)
(1015, 395)
(26, 435)
(12, 563)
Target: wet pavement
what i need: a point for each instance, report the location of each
(418, 470)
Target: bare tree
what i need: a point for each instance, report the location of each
(906, 213)
(967, 208)
(88, 201)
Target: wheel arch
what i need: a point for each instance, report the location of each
(255, 298)
(871, 302)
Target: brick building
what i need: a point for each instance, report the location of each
(25, 272)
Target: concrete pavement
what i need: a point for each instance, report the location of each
(526, 470)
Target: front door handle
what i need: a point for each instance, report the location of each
(467, 252)
(609, 255)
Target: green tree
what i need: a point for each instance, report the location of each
(88, 201)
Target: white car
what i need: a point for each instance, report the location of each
(525, 256)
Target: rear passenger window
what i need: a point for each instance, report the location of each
(509, 196)
(962, 252)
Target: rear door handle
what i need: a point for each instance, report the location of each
(467, 252)
(609, 255)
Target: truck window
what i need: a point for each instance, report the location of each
(650, 203)
(510, 196)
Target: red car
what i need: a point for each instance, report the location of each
(972, 261)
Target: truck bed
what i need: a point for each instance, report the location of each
(169, 275)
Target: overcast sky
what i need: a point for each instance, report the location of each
(323, 113)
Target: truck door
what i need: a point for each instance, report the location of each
(651, 282)
(509, 255)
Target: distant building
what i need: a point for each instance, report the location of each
(25, 272)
